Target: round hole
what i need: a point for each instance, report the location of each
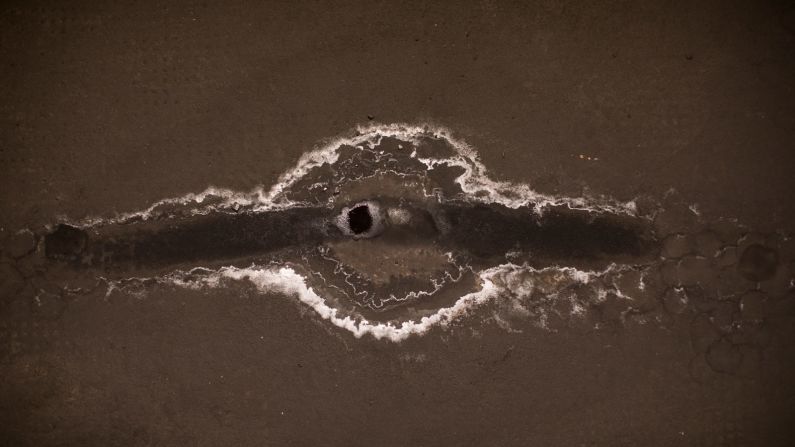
(359, 219)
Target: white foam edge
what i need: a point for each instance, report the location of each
(474, 181)
(285, 280)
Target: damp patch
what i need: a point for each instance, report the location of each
(394, 230)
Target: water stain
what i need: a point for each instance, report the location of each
(393, 230)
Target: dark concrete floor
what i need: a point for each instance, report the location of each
(108, 108)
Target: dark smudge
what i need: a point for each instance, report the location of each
(211, 238)
(558, 235)
(480, 232)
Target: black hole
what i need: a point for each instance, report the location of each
(359, 219)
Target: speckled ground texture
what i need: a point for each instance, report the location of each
(107, 108)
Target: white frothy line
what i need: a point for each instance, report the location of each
(474, 181)
(438, 283)
(229, 199)
(494, 282)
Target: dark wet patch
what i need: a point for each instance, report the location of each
(215, 237)
(65, 243)
(486, 231)
(758, 263)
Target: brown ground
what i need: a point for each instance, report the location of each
(109, 108)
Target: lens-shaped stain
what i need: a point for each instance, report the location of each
(389, 232)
